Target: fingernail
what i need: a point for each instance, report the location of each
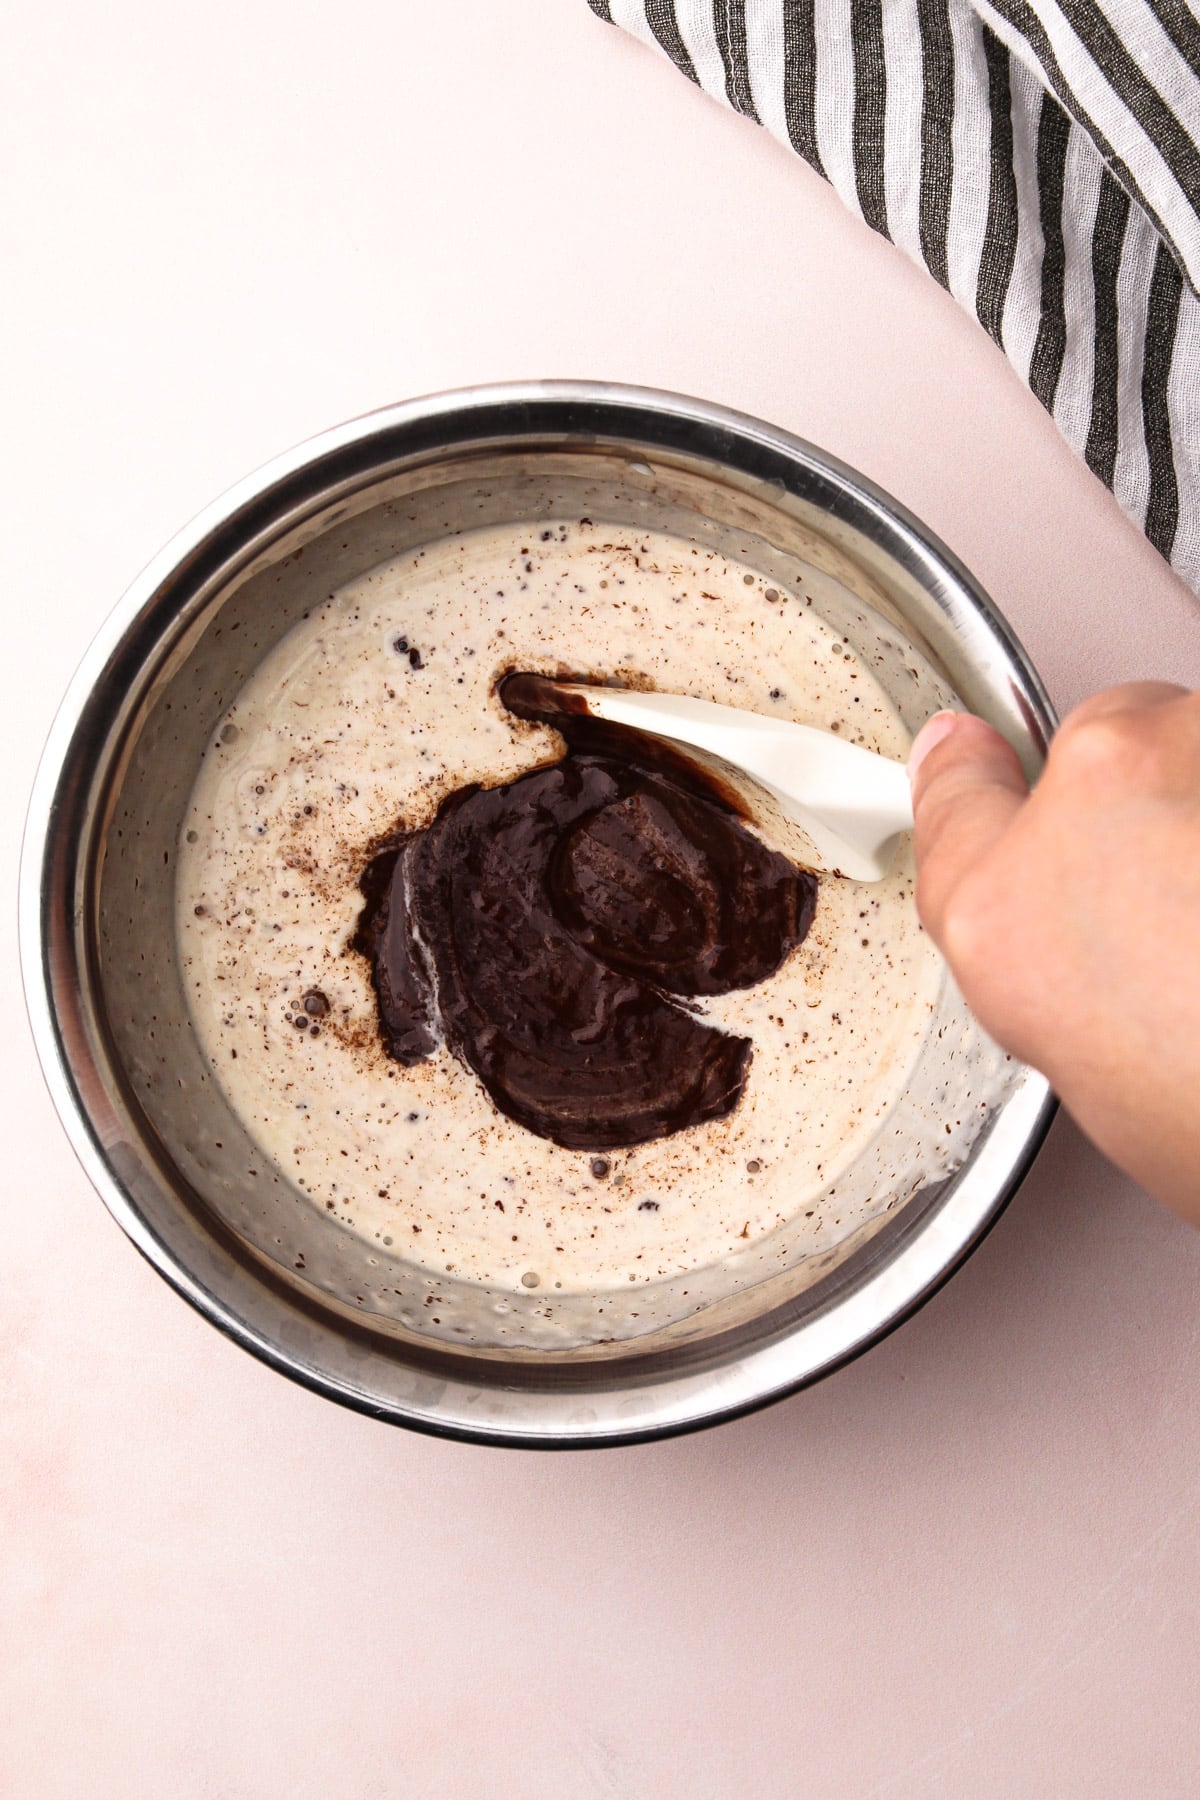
(929, 736)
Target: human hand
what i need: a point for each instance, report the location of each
(1070, 916)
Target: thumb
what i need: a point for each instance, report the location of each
(968, 786)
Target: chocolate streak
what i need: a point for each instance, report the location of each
(539, 928)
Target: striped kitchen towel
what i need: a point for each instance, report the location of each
(1041, 158)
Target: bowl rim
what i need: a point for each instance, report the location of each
(766, 1373)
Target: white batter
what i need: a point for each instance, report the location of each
(342, 733)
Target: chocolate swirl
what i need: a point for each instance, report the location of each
(550, 931)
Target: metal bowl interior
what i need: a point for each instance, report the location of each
(97, 898)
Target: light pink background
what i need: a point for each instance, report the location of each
(967, 1565)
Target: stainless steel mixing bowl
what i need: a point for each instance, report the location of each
(97, 933)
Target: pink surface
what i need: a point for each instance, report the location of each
(967, 1565)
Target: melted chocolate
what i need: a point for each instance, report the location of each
(551, 931)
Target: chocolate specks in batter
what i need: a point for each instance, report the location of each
(402, 647)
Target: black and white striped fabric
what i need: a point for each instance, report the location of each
(1041, 158)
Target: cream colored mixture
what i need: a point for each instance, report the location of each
(369, 713)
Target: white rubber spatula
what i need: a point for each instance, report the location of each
(830, 804)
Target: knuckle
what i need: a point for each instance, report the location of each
(955, 913)
(928, 899)
(966, 932)
(1109, 751)
(935, 811)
